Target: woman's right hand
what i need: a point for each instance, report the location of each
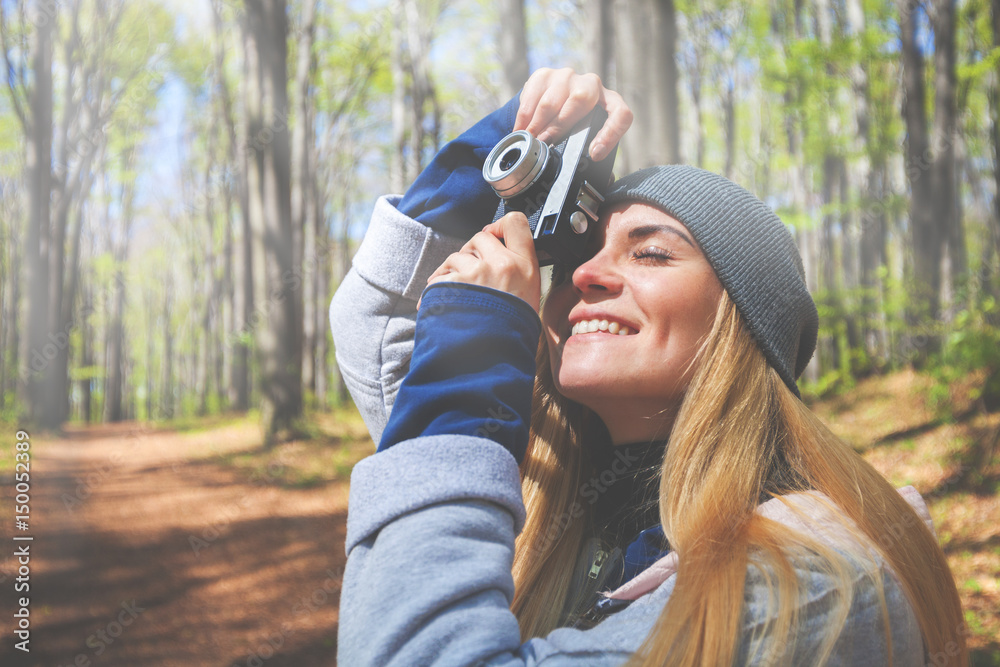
(554, 100)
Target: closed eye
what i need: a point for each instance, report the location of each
(654, 254)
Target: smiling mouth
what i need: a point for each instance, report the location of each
(601, 326)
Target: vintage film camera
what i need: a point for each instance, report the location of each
(559, 188)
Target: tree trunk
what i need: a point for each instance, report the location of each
(995, 136)
(204, 274)
(224, 301)
(422, 93)
(599, 36)
(849, 268)
(398, 176)
(279, 338)
(86, 353)
(872, 215)
(829, 288)
(302, 191)
(36, 368)
(666, 113)
(241, 289)
(321, 281)
(67, 299)
(944, 182)
(632, 78)
(115, 400)
(167, 370)
(10, 286)
(5, 319)
(925, 275)
(729, 113)
(115, 360)
(150, 351)
(695, 77)
(513, 45)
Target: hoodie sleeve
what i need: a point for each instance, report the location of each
(373, 313)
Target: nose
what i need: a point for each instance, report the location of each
(597, 275)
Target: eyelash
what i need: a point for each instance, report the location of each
(561, 273)
(654, 253)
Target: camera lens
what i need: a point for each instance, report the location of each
(515, 163)
(509, 158)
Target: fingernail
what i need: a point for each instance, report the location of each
(597, 151)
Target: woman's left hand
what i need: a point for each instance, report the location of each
(502, 256)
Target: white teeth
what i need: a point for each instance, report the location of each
(593, 326)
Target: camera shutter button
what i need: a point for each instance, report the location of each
(578, 221)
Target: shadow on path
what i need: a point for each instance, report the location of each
(145, 555)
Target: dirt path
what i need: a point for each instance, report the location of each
(148, 551)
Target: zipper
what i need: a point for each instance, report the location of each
(600, 558)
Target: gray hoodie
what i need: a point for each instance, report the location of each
(432, 520)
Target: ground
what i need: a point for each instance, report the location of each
(950, 451)
(190, 545)
(183, 548)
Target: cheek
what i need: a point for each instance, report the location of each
(703, 304)
(686, 307)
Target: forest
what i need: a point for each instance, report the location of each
(183, 184)
(182, 188)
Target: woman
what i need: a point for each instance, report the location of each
(752, 537)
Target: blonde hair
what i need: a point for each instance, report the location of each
(740, 437)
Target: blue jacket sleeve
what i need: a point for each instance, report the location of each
(472, 369)
(450, 195)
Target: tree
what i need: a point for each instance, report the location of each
(930, 168)
(279, 337)
(513, 46)
(995, 132)
(117, 362)
(36, 121)
(304, 191)
(599, 35)
(646, 75)
(944, 181)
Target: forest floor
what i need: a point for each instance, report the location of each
(183, 547)
(189, 545)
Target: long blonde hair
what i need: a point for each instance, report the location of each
(740, 437)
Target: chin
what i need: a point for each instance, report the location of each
(588, 391)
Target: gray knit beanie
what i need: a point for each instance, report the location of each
(752, 252)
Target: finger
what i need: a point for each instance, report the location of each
(462, 267)
(517, 236)
(495, 228)
(532, 92)
(548, 107)
(619, 120)
(444, 269)
(583, 97)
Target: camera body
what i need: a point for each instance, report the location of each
(559, 188)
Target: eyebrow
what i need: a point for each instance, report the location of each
(644, 231)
